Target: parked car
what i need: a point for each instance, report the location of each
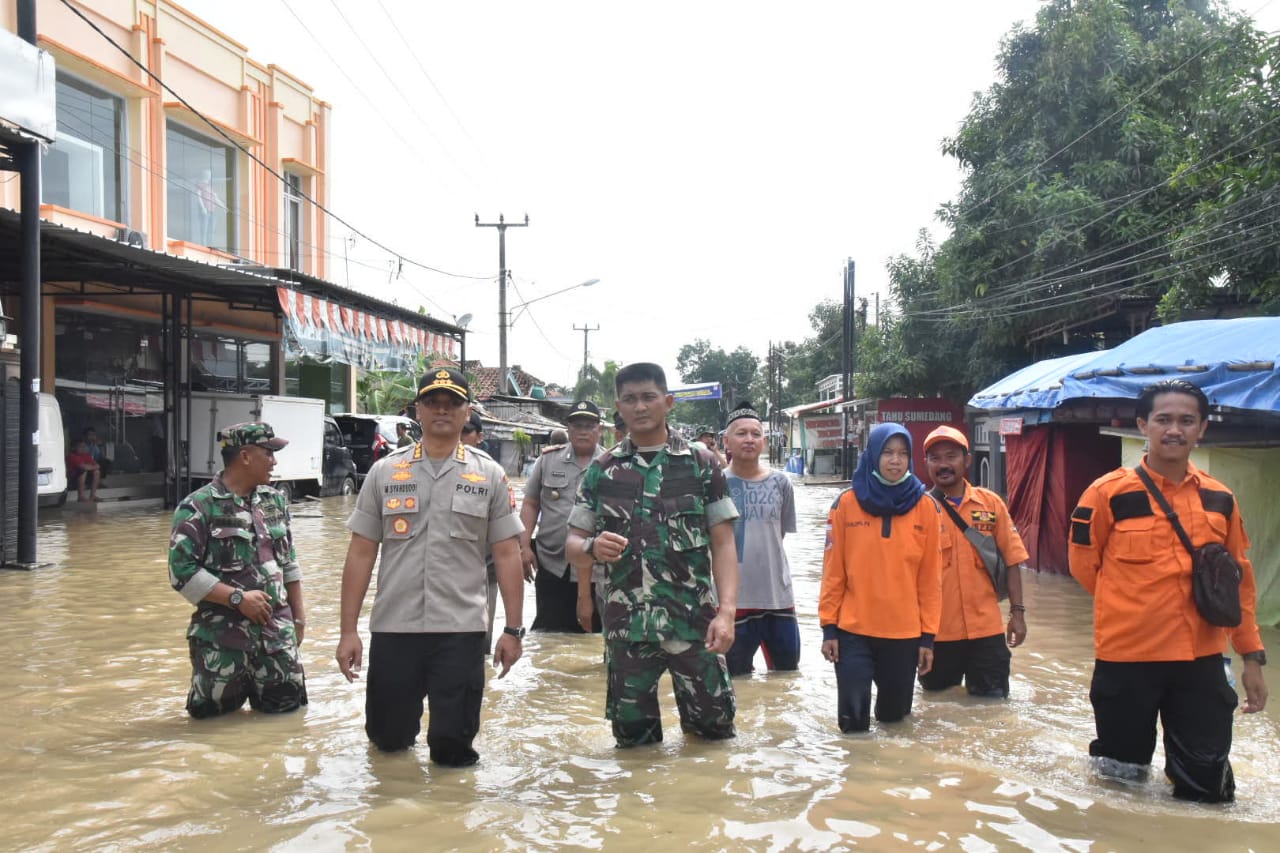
(51, 486)
(372, 437)
(340, 476)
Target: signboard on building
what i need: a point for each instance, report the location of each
(822, 432)
(1011, 426)
(27, 101)
(920, 416)
(691, 393)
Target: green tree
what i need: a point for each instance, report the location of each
(597, 385)
(738, 373)
(1120, 141)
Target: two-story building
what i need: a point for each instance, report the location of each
(184, 233)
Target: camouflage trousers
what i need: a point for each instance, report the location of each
(223, 678)
(704, 693)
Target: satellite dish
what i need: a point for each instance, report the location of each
(463, 321)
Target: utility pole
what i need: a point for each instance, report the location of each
(502, 225)
(846, 368)
(586, 330)
(27, 158)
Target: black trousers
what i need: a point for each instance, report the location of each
(982, 664)
(445, 669)
(557, 599)
(890, 664)
(1195, 705)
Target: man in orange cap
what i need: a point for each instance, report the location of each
(973, 641)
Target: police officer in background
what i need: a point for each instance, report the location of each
(434, 509)
(231, 555)
(1155, 653)
(548, 498)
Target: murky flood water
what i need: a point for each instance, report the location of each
(98, 752)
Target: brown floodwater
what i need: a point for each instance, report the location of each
(98, 753)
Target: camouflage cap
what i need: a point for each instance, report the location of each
(251, 432)
(446, 379)
(585, 409)
(705, 430)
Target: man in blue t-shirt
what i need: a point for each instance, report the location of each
(766, 616)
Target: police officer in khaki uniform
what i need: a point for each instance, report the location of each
(435, 509)
(548, 497)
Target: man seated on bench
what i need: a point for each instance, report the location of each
(83, 472)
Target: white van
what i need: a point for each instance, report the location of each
(51, 480)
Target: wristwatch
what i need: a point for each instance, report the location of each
(1259, 656)
(233, 600)
(518, 633)
(589, 547)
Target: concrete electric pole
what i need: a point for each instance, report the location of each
(502, 225)
(586, 330)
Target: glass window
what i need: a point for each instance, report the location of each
(82, 168)
(201, 190)
(257, 368)
(293, 221)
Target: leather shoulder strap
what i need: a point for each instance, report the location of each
(1164, 505)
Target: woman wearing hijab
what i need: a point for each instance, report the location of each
(881, 593)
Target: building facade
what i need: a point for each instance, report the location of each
(184, 248)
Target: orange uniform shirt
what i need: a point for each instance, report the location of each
(970, 609)
(1125, 552)
(880, 586)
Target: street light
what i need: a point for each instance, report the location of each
(504, 324)
(517, 310)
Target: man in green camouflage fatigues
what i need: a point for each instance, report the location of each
(658, 512)
(231, 555)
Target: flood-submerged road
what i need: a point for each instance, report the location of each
(99, 754)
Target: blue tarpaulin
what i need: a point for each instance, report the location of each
(1233, 361)
(1036, 386)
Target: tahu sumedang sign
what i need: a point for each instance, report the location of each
(690, 393)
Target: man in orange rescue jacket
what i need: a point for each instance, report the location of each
(1155, 653)
(973, 642)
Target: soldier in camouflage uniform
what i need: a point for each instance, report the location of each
(231, 555)
(657, 513)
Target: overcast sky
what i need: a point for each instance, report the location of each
(711, 163)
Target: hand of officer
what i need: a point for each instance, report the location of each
(528, 559)
(1255, 688)
(608, 547)
(831, 650)
(507, 652)
(1017, 630)
(720, 633)
(586, 609)
(350, 655)
(926, 661)
(256, 606)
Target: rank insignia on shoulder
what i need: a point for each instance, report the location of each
(474, 478)
(461, 453)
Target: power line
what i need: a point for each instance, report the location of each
(213, 125)
(394, 85)
(414, 55)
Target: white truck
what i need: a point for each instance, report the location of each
(299, 467)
